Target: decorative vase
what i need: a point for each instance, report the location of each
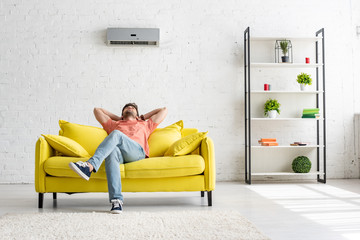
(302, 87)
(272, 114)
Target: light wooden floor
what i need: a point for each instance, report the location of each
(280, 210)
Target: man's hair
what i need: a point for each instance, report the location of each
(131, 104)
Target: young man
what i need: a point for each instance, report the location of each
(127, 142)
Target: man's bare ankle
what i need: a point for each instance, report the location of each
(91, 167)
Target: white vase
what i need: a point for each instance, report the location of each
(302, 87)
(272, 114)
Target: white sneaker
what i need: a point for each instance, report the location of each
(116, 206)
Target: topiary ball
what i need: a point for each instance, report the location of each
(301, 164)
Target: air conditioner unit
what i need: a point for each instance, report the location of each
(133, 36)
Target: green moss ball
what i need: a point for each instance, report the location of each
(301, 164)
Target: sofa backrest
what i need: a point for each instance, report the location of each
(90, 137)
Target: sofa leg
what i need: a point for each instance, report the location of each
(202, 194)
(54, 196)
(209, 195)
(41, 200)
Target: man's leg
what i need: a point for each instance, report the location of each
(131, 150)
(112, 167)
(128, 151)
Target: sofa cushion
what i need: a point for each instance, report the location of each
(162, 167)
(162, 138)
(66, 146)
(87, 136)
(186, 144)
(59, 166)
(187, 131)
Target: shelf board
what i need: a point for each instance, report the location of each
(310, 39)
(271, 147)
(286, 119)
(287, 174)
(285, 65)
(296, 92)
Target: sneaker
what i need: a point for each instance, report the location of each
(116, 206)
(81, 168)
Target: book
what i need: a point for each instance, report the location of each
(308, 116)
(267, 140)
(308, 112)
(311, 110)
(269, 144)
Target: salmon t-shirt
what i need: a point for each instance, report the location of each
(137, 130)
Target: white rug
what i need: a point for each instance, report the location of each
(129, 225)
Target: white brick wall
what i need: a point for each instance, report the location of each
(55, 65)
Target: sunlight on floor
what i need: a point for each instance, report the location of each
(331, 207)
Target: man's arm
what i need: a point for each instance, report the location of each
(157, 115)
(103, 115)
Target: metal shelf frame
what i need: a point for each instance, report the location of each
(320, 66)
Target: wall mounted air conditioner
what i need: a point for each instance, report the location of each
(133, 36)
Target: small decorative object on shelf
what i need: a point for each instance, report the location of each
(311, 113)
(286, 49)
(301, 164)
(267, 87)
(307, 60)
(271, 107)
(299, 144)
(268, 142)
(304, 79)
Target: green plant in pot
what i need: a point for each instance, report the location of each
(304, 79)
(271, 107)
(284, 48)
(301, 164)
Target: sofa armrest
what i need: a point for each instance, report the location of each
(42, 152)
(208, 153)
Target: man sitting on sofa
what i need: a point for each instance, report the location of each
(127, 142)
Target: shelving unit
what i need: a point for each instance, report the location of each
(259, 155)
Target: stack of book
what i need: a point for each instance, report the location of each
(310, 113)
(268, 142)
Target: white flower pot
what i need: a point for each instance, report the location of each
(303, 87)
(272, 114)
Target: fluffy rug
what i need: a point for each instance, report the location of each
(129, 225)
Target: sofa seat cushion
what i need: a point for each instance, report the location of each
(59, 166)
(162, 167)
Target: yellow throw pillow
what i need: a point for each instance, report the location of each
(87, 136)
(66, 146)
(162, 138)
(186, 144)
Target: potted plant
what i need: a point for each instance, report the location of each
(271, 107)
(284, 48)
(304, 79)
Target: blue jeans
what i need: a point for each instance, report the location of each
(117, 148)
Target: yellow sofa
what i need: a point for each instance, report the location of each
(192, 172)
